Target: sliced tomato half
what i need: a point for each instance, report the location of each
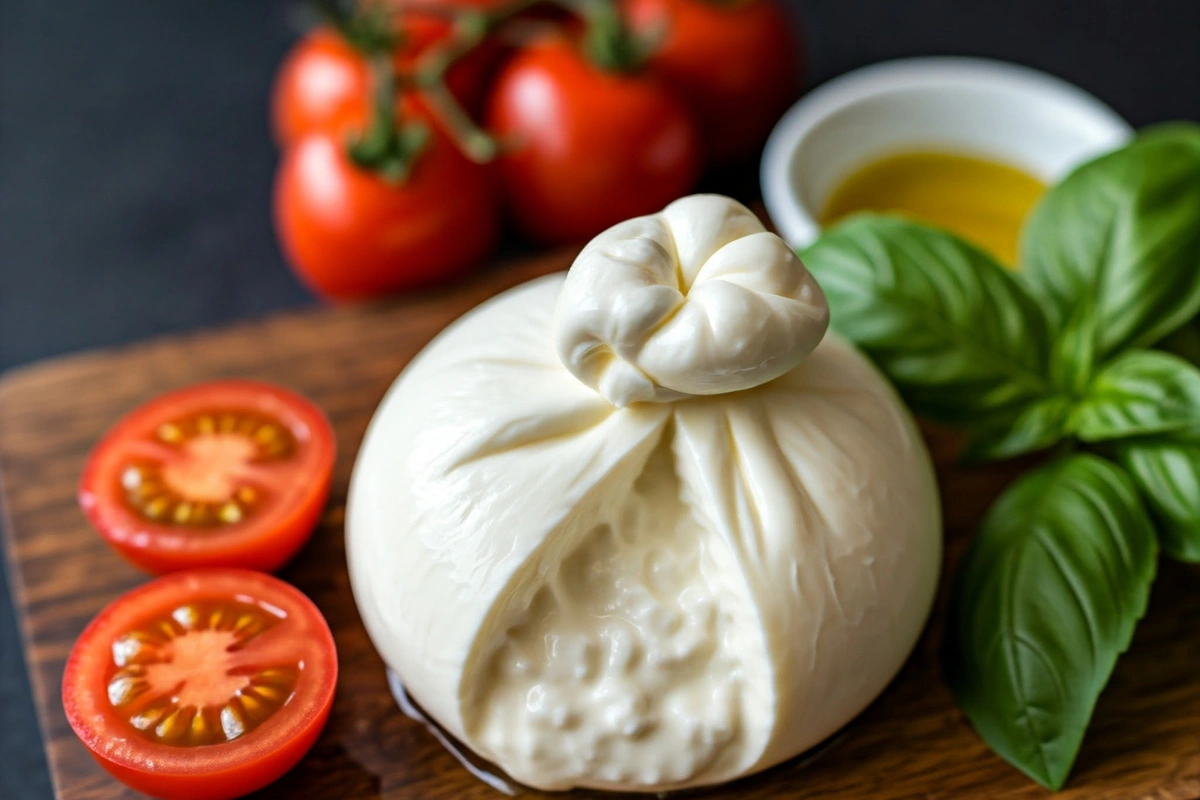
(223, 474)
(202, 684)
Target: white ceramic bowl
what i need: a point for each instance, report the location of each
(1011, 114)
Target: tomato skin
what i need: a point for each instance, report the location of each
(217, 772)
(324, 85)
(737, 65)
(152, 547)
(191, 787)
(349, 234)
(588, 148)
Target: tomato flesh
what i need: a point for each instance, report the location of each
(195, 676)
(201, 469)
(202, 684)
(231, 473)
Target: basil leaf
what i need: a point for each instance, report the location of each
(1167, 472)
(958, 336)
(1073, 354)
(1037, 426)
(1047, 420)
(1045, 600)
(1121, 234)
(1138, 392)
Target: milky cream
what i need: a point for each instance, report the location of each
(646, 526)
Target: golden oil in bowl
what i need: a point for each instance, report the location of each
(984, 202)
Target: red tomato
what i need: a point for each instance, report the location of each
(736, 64)
(464, 5)
(202, 685)
(350, 234)
(588, 148)
(229, 473)
(324, 85)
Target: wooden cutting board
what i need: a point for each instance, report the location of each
(912, 742)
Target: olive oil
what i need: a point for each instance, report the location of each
(982, 201)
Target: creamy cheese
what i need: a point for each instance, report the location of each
(663, 537)
(641, 642)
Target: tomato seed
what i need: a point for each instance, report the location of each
(170, 433)
(231, 724)
(157, 664)
(234, 437)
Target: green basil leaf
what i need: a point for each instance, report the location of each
(1045, 600)
(1166, 470)
(1122, 234)
(960, 338)
(1139, 392)
(1036, 427)
(1073, 354)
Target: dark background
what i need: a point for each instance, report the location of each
(135, 165)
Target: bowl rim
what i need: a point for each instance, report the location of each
(791, 216)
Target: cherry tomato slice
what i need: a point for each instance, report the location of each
(202, 684)
(223, 474)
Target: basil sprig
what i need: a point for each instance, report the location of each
(1054, 353)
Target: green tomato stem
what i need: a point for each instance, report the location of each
(366, 29)
(389, 145)
(608, 41)
(474, 143)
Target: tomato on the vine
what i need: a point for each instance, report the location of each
(202, 685)
(227, 473)
(324, 85)
(452, 5)
(586, 148)
(349, 233)
(467, 78)
(735, 62)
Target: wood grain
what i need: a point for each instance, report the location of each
(912, 742)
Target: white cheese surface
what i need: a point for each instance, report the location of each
(590, 589)
(697, 300)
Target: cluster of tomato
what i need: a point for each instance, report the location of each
(215, 679)
(567, 115)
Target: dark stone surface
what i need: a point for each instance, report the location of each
(135, 165)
